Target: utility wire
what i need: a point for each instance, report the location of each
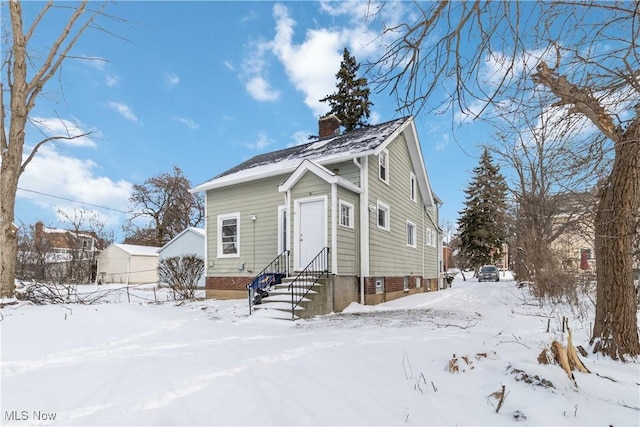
(74, 201)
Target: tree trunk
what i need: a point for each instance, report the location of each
(615, 330)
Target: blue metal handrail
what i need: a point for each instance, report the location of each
(279, 266)
(312, 273)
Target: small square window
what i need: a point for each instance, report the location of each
(384, 216)
(380, 285)
(383, 169)
(346, 214)
(411, 234)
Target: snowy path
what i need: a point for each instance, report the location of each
(207, 363)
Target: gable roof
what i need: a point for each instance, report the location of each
(138, 249)
(357, 143)
(321, 172)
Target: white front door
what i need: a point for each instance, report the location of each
(311, 234)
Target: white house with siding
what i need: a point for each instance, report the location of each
(189, 242)
(130, 264)
(362, 197)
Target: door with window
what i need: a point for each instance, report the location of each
(311, 234)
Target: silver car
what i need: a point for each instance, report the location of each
(489, 273)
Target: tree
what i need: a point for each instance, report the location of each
(482, 224)
(351, 102)
(26, 76)
(167, 204)
(593, 49)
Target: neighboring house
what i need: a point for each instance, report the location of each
(130, 264)
(573, 224)
(59, 255)
(365, 195)
(189, 242)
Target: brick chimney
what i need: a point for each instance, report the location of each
(328, 126)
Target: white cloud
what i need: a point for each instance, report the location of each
(229, 65)
(54, 126)
(112, 80)
(71, 178)
(188, 122)
(250, 16)
(171, 79)
(261, 90)
(124, 110)
(96, 62)
(444, 141)
(299, 138)
(263, 142)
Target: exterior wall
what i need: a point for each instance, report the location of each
(345, 291)
(349, 238)
(394, 288)
(118, 268)
(347, 170)
(389, 254)
(189, 243)
(227, 287)
(258, 243)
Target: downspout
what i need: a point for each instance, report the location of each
(424, 243)
(128, 267)
(364, 223)
(334, 229)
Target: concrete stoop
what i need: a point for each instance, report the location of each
(278, 304)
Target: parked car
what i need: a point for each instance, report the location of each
(489, 273)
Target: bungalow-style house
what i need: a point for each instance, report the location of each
(357, 206)
(130, 264)
(189, 241)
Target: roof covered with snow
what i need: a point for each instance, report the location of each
(322, 151)
(138, 249)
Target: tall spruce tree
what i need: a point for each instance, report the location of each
(483, 221)
(351, 102)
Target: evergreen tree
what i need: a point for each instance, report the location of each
(483, 221)
(351, 102)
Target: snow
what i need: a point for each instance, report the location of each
(209, 363)
(138, 249)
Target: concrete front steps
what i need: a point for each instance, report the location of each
(278, 304)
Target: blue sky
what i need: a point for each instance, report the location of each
(204, 86)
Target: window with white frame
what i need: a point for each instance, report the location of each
(427, 237)
(383, 167)
(379, 285)
(346, 214)
(384, 216)
(229, 235)
(412, 187)
(411, 234)
(406, 283)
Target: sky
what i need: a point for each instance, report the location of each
(433, 358)
(204, 86)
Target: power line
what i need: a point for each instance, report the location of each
(74, 201)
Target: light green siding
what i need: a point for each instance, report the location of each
(389, 253)
(349, 238)
(259, 238)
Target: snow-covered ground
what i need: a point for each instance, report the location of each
(208, 363)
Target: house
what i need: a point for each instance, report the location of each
(189, 242)
(130, 264)
(58, 255)
(361, 202)
(574, 229)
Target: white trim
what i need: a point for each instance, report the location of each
(334, 229)
(281, 210)
(414, 234)
(222, 217)
(296, 226)
(321, 172)
(382, 205)
(351, 218)
(364, 225)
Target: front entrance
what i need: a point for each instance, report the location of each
(311, 230)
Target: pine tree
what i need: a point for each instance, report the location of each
(351, 102)
(483, 221)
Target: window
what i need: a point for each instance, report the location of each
(380, 285)
(346, 214)
(384, 216)
(383, 170)
(228, 235)
(411, 234)
(418, 282)
(406, 283)
(427, 238)
(412, 187)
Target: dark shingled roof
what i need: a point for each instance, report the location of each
(357, 141)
